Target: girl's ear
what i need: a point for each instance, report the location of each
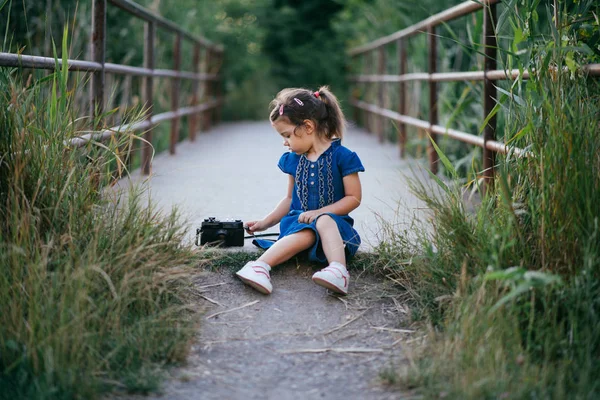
(309, 126)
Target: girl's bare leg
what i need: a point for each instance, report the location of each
(287, 247)
(331, 240)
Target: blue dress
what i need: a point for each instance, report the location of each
(319, 184)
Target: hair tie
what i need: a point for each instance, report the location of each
(317, 94)
(281, 109)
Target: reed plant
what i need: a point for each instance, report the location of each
(511, 290)
(94, 284)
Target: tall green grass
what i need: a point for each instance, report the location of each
(512, 290)
(94, 289)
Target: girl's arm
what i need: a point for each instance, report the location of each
(280, 211)
(352, 199)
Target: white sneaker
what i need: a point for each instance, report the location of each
(256, 274)
(335, 277)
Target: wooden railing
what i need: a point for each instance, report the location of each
(488, 76)
(212, 58)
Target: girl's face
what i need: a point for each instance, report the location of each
(295, 137)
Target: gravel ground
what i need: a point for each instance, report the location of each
(301, 342)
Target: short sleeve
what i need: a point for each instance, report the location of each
(285, 163)
(350, 163)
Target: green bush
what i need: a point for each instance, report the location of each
(512, 289)
(94, 288)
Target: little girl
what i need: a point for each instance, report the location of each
(323, 188)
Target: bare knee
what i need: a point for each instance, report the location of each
(325, 223)
(306, 235)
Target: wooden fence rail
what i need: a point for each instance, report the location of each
(212, 57)
(490, 74)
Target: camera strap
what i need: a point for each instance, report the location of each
(261, 235)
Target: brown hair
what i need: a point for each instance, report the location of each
(321, 107)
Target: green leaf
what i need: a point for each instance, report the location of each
(459, 106)
(65, 65)
(527, 280)
(503, 17)
(3, 4)
(543, 278)
(525, 130)
(571, 64)
(516, 98)
(524, 287)
(447, 164)
(491, 114)
(518, 37)
(7, 22)
(53, 99)
(506, 194)
(555, 33)
(439, 182)
(505, 274)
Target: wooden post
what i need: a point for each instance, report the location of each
(489, 94)
(195, 117)
(433, 110)
(175, 93)
(365, 71)
(98, 55)
(207, 119)
(368, 116)
(381, 94)
(401, 50)
(372, 118)
(354, 89)
(149, 29)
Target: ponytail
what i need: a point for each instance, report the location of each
(335, 122)
(321, 107)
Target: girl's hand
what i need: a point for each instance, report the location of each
(307, 217)
(255, 226)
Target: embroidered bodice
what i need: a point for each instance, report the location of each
(320, 183)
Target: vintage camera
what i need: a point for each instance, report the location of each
(220, 233)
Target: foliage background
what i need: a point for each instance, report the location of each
(270, 44)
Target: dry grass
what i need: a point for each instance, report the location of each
(94, 288)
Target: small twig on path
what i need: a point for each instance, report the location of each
(343, 338)
(244, 339)
(340, 299)
(395, 343)
(416, 339)
(382, 328)
(233, 309)
(400, 307)
(333, 350)
(210, 300)
(345, 323)
(212, 285)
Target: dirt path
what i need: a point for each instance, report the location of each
(301, 342)
(256, 351)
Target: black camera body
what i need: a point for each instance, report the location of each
(220, 233)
